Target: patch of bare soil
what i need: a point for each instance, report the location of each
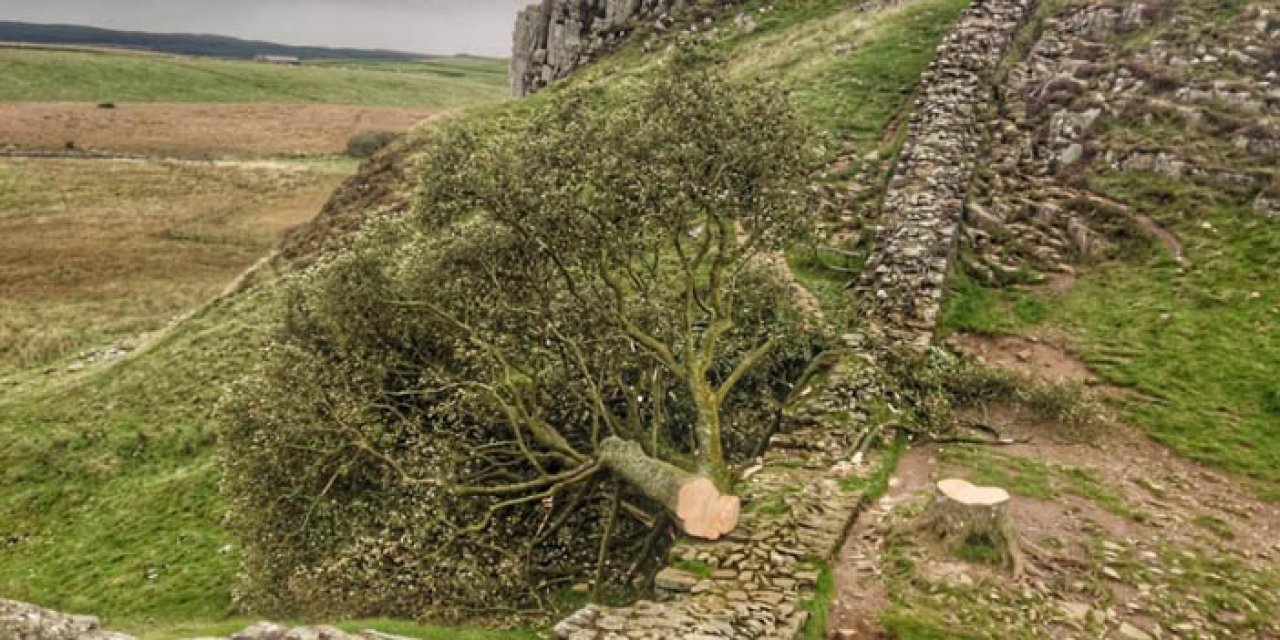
(197, 130)
(860, 591)
(1126, 539)
(1030, 358)
(1162, 233)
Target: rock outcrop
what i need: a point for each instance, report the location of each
(21, 621)
(555, 37)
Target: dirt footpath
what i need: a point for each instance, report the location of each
(197, 130)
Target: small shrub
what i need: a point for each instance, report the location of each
(366, 144)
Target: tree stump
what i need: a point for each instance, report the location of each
(964, 515)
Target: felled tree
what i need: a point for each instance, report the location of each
(682, 186)
(548, 353)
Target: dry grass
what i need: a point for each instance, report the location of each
(198, 130)
(94, 251)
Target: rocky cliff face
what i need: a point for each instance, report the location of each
(554, 37)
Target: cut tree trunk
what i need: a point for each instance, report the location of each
(698, 506)
(964, 514)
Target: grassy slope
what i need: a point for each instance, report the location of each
(72, 76)
(112, 501)
(1198, 343)
(1200, 350)
(88, 250)
(114, 509)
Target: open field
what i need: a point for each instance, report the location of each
(91, 252)
(198, 130)
(32, 75)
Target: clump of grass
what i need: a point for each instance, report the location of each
(1215, 525)
(819, 604)
(980, 550)
(693, 567)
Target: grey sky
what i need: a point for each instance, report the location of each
(481, 27)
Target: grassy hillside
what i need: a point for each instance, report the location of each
(80, 76)
(92, 252)
(114, 508)
(1196, 345)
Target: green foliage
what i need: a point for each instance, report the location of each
(368, 143)
(903, 624)
(420, 435)
(694, 567)
(76, 76)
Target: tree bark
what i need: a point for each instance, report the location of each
(699, 508)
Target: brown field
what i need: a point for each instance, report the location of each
(94, 251)
(197, 130)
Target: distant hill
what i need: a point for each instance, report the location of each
(185, 44)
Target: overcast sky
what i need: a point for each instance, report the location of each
(481, 27)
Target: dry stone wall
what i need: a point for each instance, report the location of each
(903, 282)
(799, 502)
(797, 508)
(1028, 213)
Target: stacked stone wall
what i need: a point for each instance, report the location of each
(800, 501)
(903, 283)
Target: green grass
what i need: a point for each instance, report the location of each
(694, 567)
(819, 604)
(852, 97)
(1019, 476)
(904, 625)
(111, 504)
(856, 95)
(988, 311)
(1199, 345)
(1035, 479)
(489, 70)
(78, 76)
(1215, 525)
